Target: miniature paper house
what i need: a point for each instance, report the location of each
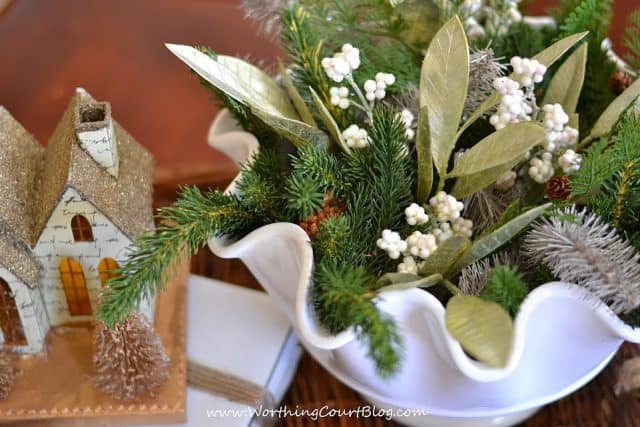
(67, 216)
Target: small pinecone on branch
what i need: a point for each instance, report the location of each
(330, 207)
(7, 375)
(129, 360)
(620, 81)
(558, 188)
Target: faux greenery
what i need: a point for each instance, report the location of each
(392, 128)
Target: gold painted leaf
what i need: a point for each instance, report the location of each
(399, 281)
(469, 184)
(486, 245)
(483, 328)
(296, 98)
(261, 90)
(329, 122)
(547, 57)
(566, 85)
(611, 115)
(445, 256)
(425, 162)
(443, 88)
(503, 146)
(298, 133)
(238, 79)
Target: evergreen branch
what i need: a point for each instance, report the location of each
(382, 179)
(332, 240)
(321, 166)
(153, 257)
(631, 39)
(626, 177)
(344, 297)
(593, 16)
(505, 287)
(303, 195)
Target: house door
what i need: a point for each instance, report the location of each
(75, 287)
(9, 317)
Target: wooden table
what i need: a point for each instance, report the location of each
(114, 50)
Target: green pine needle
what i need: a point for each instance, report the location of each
(593, 16)
(189, 224)
(344, 297)
(505, 287)
(632, 39)
(303, 196)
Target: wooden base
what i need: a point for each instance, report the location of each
(56, 389)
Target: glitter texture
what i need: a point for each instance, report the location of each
(20, 160)
(33, 179)
(126, 199)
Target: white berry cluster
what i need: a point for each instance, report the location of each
(569, 161)
(541, 168)
(442, 232)
(557, 134)
(392, 244)
(528, 71)
(376, 89)
(514, 106)
(462, 227)
(506, 180)
(340, 97)
(407, 118)
(421, 245)
(408, 265)
(356, 137)
(446, 207)
(342, 63)
(416, 215)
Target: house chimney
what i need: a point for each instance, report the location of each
(96, 136)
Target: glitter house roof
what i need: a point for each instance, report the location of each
(33, 180)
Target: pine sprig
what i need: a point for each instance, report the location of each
(593, 16)
(382, 179)
(632, 39)
(302, 195)
(505, 287)
(333, 239)
(344, 297)
(608, 181)
(186, 227)
(321, 166)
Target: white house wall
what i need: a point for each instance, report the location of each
(32, 313)
(56, 243)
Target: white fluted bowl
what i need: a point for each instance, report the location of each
(563, 336)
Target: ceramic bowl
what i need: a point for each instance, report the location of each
(563, 335)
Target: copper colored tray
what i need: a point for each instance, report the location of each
(56, 389)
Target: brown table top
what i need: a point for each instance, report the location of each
(114, 50)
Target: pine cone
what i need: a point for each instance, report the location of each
(558, 188)
(331, 207)
(129, 360)
(620, 81)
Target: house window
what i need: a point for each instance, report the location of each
(9, 317)
(75, 287)
(81, 229)
(106, 268)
